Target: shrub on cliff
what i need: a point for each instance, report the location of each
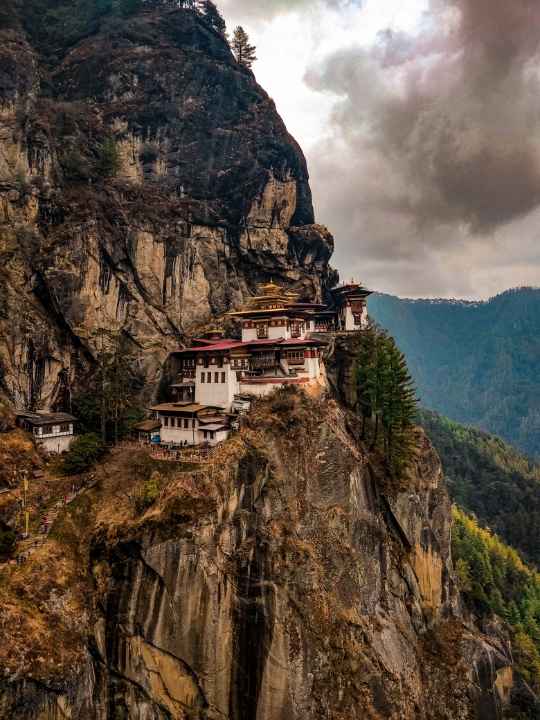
(85, 451)
(7, 541)
(149, 493)
(109, 161)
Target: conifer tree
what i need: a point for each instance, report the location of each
(386, 399)
(244, 52)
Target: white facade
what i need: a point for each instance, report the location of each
(56, 438)
(216, 386)
(348, 321)
(277, 328)
(178, 430)
(212, 437)
(56, 444)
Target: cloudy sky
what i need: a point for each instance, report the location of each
(420, 120)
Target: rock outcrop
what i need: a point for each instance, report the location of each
(286, 580)
(147, 184)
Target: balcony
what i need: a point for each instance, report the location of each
(265, 362)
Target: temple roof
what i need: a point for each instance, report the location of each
(45, 418)
(190, 409)
(352, 289)
(148, 426)
(251, 344)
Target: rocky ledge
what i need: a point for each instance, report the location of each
(286, 578)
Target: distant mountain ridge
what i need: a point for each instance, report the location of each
(475, 362)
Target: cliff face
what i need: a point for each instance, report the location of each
(288, 579)
(146, 185)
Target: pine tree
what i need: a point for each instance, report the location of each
(244, 52)
(115, 378)
(212, 16)
(386, 399)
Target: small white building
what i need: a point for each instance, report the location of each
(351, 307)
(54, 432)
(189, 424)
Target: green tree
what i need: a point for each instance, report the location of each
(109, 160)
(245, 52)
(149, 493)
(84, 452)
(494, 580)
(117, 382)
(386, 399)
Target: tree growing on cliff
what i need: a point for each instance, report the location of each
(109, 160)
(245, 52)
(386, 399)
(116, 383)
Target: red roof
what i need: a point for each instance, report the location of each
(234, 344)
(221, 345)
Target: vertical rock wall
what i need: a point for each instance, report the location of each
(209, 194)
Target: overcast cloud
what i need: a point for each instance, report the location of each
(426, 161)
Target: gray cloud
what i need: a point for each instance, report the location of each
(252, 10)
(435, 145)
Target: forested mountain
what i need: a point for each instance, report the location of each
(495, 553)
(491, 479)
(496, 582)
(477, 363)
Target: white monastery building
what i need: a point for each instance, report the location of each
(54, 432)
(281, 344)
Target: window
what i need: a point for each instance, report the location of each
(223, 377)
(262, 331)
(203, 377)
(186, 423)
(209, 377)
(166, 421)
(206, 361)
(220, 361)
(212, 434)
(216, 377)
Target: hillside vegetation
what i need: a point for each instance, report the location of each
(494, 580)
(491, 479)
(477, 363)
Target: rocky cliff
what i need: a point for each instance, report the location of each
(287, 579)
(147, 184)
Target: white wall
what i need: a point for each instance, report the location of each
(178, 435)
(348, 316)
(56, 444)
(249, 334)
(313, 368)
(216, 393)
(219, 436)
(259, 389)
(274, 332)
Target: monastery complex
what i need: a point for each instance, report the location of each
(281, 344)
